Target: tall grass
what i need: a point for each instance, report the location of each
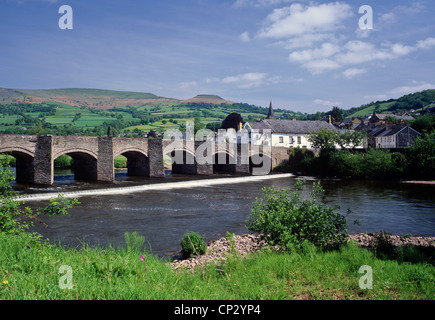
(30, 270)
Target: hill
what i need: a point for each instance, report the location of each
(414, 101)
(90, 98)
(206, 98)
(91, 112)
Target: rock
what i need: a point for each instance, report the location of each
(220, 249)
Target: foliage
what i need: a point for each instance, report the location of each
(349, 139)
(63, 162)
(421, 157)
(300, 159)
(326, 139)
(405, 103)
(371, 164)
(323, 138)
(336, 114)
(424, 124)
(13, 218)
(285, 219)
(31, 272)
(192, 244)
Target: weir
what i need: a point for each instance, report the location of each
(153, 187)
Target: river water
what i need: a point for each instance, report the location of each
(163, 210)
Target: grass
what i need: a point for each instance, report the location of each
(31, 271)
(383, 107)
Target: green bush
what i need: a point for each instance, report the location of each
(192, 244)
(421, 157)
(63, 162)
(120, 162)
(284, 218)
(300, 160)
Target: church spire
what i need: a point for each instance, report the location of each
(271, 115)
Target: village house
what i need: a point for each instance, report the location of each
(381, 118)
(284, 133)
(388, 131)
(398, 136)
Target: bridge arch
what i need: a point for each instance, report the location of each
(85, 163)
(183, 161)
(138, 162)
(224, 162)
(24, 167)
(260, 164)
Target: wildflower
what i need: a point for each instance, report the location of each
(5, 282)
(142, 258)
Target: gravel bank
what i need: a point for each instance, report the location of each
(243, 244)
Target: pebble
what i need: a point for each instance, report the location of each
(218, 250)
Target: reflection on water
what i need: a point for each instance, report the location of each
(163, 216)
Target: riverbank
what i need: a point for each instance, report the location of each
(241, 245)
(33, 271)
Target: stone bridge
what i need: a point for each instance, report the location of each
(94, 156)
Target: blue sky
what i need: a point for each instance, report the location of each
(303, 55)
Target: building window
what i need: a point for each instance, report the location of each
(299, 140)
(281, 139)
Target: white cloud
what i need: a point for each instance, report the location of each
(297, 19)
(259, 3)
(415, 86)
(305, 40)
(355, 52)
(247, 80)
(244, 37)
(326, 103)
(387, 17)
(325, 51)
(322, 65)
(427, 43)
(353, 72)
(187, 85)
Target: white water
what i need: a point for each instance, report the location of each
(152, 187)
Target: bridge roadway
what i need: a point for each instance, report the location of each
(94, 156)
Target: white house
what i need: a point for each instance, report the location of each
(284, 133)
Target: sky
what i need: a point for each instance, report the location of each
(304, 56)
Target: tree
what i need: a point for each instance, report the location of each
(349, 139)
(112, 132)
(13, 218)
(323, 138)
(421, 157)
(336, 114)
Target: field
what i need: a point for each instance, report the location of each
(93, 111)
(37, 272)
(382, 107)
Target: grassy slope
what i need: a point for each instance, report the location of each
(383, 107)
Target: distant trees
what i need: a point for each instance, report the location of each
(336, 114)
(112, 131)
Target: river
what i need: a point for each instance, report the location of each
(164, 209)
